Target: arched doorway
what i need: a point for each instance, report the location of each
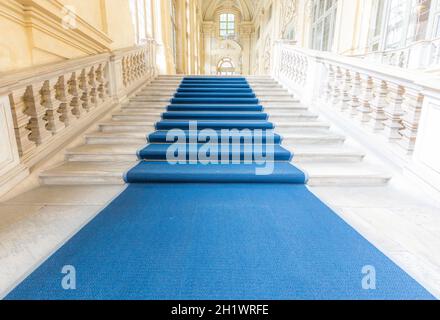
(225, 67)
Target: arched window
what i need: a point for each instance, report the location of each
(226, 67)
(227, 25)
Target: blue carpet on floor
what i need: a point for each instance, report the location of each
(218, 241)
(217, 231)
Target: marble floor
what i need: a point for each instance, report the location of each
(401, 222)
(38, 222)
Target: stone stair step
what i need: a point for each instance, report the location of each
(116, 138)
(312, 138)
(127, 152)
(126, 126)
(86, 173)
(104, 152)
(343, 174)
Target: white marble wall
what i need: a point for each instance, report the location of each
(10, 168)
(427, 151)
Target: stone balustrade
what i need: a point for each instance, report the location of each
(51, 104)
(424, 54)
(386, 100)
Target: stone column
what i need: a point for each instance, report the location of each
(208, 29)
(245, 36)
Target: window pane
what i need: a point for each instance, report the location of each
(395, 24)
(418, 23)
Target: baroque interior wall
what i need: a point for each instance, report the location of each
(36, 32)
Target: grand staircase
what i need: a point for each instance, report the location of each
(111, 150)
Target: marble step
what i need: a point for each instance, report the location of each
(328, 154)
(158, 93)
(111, 173)
(104, 152)
(86, 173)
(144, 106)
(127, 126)
(151, 99)
(273, 99)
(126, 152)
(116, 138)
(343, 174)
(312, 138)
(149, 116)
(166, 88)
(140, 138)
(137, 116)
(285, 125)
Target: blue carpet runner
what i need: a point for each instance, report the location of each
(190, 230)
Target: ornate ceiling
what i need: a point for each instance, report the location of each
(246, 7)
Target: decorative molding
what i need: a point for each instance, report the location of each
(44, 19)
(288, 14)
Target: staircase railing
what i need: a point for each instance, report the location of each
(50, 104)
(396, 106)
(424, 54)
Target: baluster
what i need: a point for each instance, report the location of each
(355, 94)
(73, 98)
(92, 87)
(106, 78)
(412, 104)
(84, 91)
(345, 98)
(22, 106)
(378, 105)
(64, 109)
(336, 94)
(330, 82)
(366, 98)
(49, 100)
(394, 112)
(100, 83)
(38, 125)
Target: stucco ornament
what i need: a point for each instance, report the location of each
(288, 14)
(267, 54)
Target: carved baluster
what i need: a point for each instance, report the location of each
(345, 98)
(366, 98)
(336, 94)
(394, 112)
(355, 94)
(330, 82)
(378, 106)
(64, 109)
(73, 97)
(92, 87)
(35, 97)
(22, 110)
(100, 83)
(412, 104)
(84, 91)
(49, 100)
(106, 78)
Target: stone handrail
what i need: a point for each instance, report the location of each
(51, 103)
(386, 100)
(418, 55)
